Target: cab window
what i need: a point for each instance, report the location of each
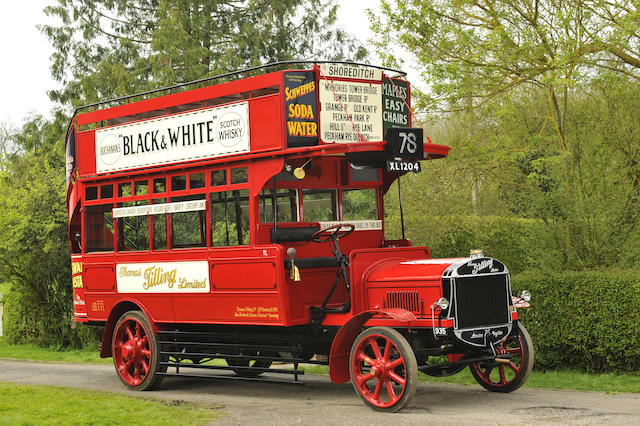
(359, 204)
(320, 205)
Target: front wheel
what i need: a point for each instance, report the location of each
(136, 353)
(510, 375)
(383, 368)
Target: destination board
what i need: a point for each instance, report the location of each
(351, 111)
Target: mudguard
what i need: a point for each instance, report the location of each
(341, 346)
(117, 311)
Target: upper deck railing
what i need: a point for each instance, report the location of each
(231, 74)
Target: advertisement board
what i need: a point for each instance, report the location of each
(193, 135)
(163, 277)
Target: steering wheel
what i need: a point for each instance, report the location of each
(334, 232)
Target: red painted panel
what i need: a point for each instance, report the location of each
(243, 275)
(229, 308)
(100, 277)
(264, 113)
(86, 152)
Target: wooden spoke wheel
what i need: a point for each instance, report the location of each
(384, 371)
(136, 353)
(249, 367)
(510, 375)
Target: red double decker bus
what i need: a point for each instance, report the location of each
(244, 221)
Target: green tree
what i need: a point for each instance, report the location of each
(34, 250)
(119, 47)
(480, 52)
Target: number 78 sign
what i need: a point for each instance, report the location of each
(404, 142)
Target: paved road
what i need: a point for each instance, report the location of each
(323, 403)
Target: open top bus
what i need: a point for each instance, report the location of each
(244, 221)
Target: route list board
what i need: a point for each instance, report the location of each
(351, 111)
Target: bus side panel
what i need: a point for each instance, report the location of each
(245, 289)
(86, 152)
(263, 114)
(101, 292)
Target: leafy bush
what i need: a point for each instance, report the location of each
(587, 320)
(522, 244)
(34, 249)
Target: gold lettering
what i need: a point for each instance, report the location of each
(155, 276)
(300, 90)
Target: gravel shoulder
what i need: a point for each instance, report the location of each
(319, 402)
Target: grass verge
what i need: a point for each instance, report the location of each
(26, 404)
(36, 353)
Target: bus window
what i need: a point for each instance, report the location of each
(178, 183)
(91, 193)
(159, 185)
(364, 174)
(239, 175)
(142, 187)
(99, 228)
(196, 180)
(218, 177)
(124, 189)
(106, 191)
(133, 231)
(188, 229)
(159, 228)
(320, 205)
(359, 204)
(230, 218)
(286, 205)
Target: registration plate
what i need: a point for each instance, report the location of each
(403, 166)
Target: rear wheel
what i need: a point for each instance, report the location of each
(136, 353)
(510, 375)
(384, 370)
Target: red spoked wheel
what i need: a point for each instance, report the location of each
(510, 375)
(384, 370)
(135, 352)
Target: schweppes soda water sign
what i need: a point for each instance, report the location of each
(193, 135)
(300, 98)
(163, 277)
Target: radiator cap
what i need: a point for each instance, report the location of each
(475, 253)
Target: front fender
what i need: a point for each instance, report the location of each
(341, 346)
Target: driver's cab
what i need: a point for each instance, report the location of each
(312, 204)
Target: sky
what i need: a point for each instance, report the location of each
(25, 74)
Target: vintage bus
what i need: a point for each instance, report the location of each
(236, 230)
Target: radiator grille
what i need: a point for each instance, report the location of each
(482, 301)
(408, 300)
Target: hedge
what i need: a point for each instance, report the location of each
(587, 320)
(521, 244)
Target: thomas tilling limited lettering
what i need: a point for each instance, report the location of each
(164, 277)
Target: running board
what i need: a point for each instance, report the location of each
(187, 353)
(237, 378)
